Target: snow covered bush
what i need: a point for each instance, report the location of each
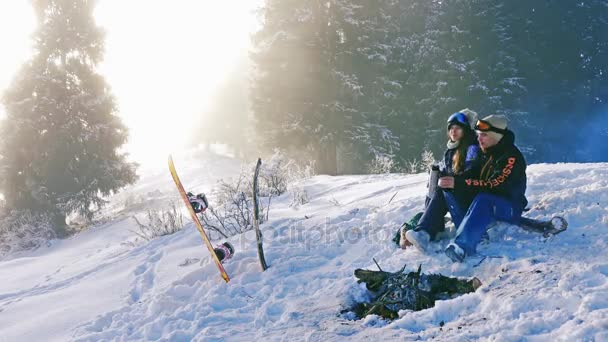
(382, 164)
(159, 223)
(231, 209)
(428, 159)
(274, 174)
(22, 230)
(231, 206)
(231, 202)
(300, 197)
(279, 171)
(412, 166)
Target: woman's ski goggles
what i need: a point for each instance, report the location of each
(485, 126)
(459, 117)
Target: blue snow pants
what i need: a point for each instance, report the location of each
(471, 217)
(442, 202)
(484, 210)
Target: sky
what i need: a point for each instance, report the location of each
(163, 60)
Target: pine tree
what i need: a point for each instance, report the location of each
(61, 138)
(561, 53)
(293, 94)
(362, 78)
(321, 84)
(429, 78)
(364, 63)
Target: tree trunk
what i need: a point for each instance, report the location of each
(59, 225)
(326, 156)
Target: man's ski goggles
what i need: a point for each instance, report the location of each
(458, 118)
(484, 126)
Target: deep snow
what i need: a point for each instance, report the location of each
(102, 284)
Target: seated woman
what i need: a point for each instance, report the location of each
(461, 159)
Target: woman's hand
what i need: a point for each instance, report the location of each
(446, 182)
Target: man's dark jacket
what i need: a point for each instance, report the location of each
(503, 173)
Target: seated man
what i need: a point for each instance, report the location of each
(500, 188)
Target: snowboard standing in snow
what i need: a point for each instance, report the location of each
(256, 215)
(197, 222)
(555, 225)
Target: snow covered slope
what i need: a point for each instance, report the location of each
(101, 285)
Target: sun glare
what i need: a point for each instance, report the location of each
(17, 23)
(163, 59)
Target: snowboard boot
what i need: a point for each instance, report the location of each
(419, 238)
(224, 251)
(455, 253)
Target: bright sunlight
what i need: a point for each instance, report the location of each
(163, 60)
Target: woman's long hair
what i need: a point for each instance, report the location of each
(458, 160)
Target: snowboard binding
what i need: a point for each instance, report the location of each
(199, 202)
(224, 251)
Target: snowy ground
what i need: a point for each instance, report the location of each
(104, 285)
